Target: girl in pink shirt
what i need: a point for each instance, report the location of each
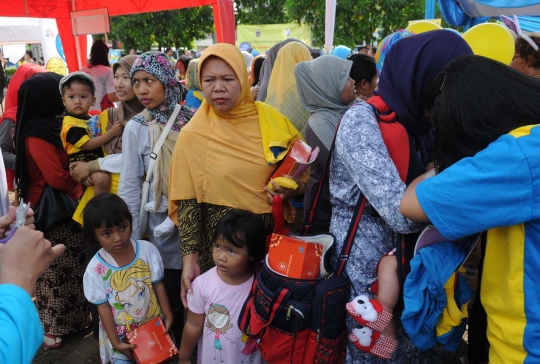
(218, 295)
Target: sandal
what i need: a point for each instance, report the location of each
(52, 342)
(369, 313)
(373, 342)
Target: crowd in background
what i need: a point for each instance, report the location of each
(227, 118)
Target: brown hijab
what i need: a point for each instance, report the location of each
(125, 112)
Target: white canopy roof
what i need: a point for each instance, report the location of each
(19, 30)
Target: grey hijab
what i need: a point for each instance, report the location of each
(320, 83)
(268, 65)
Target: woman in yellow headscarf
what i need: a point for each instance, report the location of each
(224, 158)
(282, 92)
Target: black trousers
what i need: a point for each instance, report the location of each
(171, 280)
(478, 348)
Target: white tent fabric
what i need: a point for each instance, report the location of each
(13, 52)
(19, 30)
(329, 23)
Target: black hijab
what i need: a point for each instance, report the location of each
(40, 104)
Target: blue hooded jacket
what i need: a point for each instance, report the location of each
(429, 316)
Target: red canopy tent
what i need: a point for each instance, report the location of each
(75, 47)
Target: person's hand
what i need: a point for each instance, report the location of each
(7, 221)
(190, 271)
(125, 349)
(116, 129)
(88, 181)
(79, 171)
(285, 193)
(168, 322)
(25, 257)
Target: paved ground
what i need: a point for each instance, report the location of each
(77, 348)
(83, 348)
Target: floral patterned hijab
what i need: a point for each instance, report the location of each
(161, 67)
(192, 75)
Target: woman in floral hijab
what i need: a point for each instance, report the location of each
(154, 83)
(159, 66)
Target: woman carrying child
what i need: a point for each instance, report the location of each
(81, 134)
(219, 294)
(154, 83)
(112, 162)
(361, 164)
(124, 278)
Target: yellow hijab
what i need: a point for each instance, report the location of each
(282, 92)
(224, 158)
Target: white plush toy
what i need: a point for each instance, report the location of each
(163, 207)
(167, 226)
(364, 307)
(363, 334)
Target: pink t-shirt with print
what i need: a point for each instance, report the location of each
(221, 340)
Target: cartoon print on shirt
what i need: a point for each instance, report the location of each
(218, 320)
(249, 349)
(134, 293)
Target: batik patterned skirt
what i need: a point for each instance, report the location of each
(59, 292)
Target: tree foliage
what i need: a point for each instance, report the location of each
(357, 21)
(260, 12)
(175, 28)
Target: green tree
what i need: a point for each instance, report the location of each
(175, 28)
(260, 12)
(357, 21)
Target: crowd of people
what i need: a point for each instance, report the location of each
(167, 165)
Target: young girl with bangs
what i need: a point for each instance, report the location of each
(218, 295)
(124, 278)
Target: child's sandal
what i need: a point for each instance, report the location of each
(373, 342)
(369, 313)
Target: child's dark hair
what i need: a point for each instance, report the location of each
(363, 68)
(243, 229)
(105, 208)
(81, 80)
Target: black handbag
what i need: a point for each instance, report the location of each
(53, 208)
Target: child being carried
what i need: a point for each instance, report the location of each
(81, 134)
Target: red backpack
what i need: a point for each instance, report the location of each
(303, 320)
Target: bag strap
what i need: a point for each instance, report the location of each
(244, 318)
(357, 215)
(315, 199)
(278, 213)
(351, 233)
(159, 143)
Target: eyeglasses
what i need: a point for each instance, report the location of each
(513, 25)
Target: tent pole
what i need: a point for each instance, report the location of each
(77, 45)
(26, 7)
